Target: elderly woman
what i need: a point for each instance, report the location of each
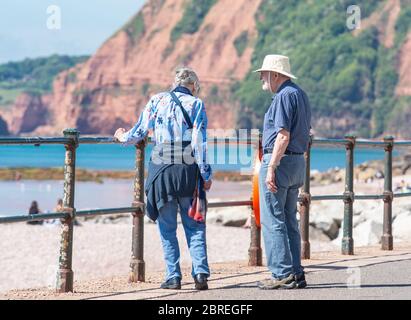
(178, 171)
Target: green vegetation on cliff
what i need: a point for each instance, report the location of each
(135, 28)
(32, 75)
(344, 75)
(241, 42)
(194, 14)
(192, 19)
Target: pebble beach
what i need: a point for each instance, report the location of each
(102, 248)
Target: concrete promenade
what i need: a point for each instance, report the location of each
(369, 274)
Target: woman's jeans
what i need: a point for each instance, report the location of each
(195, 234)
(280, 228)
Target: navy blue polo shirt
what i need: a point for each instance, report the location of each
(289, 110)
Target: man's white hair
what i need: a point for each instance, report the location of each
(186, 76)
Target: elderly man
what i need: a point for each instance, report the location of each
(179, 121)
(285, 139)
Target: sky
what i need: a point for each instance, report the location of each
(27, 30)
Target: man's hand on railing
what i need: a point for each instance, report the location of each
(119, 134)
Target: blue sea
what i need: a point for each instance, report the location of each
(117, 157)
(16, 196)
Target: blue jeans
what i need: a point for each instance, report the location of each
(280, 228)
(195, 234)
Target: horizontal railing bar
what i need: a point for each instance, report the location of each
(370, 144)
(98, 212)
(211, 140)
(357, 197)
(230, 204)
(218, 140)
(101, 212)
(105, 140)
(33, 217)
(332, 142)
(402, 143)
(59, 215)
(402, 195)
(327, 197)
(98, 140)
(358, 143)
(369, 197)
(34, 140)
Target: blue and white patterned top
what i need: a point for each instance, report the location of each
(164, 116)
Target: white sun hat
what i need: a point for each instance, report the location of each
(277, 63)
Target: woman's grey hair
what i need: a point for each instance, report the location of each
(186, 76)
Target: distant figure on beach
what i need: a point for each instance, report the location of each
(17, 176)
(59, 206)
(286, 135)
(403, 186)
(34, 209)
(178, 173)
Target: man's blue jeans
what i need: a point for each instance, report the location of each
(280, 228)
(195, 235)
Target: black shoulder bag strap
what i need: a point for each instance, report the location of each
(185, 114)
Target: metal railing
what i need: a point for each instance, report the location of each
(305, 198)
(71, 140)
(67, 215)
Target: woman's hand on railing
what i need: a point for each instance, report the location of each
(143, 142)
(119, 133)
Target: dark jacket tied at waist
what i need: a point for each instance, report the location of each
(172, 173)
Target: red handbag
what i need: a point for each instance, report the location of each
(198, 207)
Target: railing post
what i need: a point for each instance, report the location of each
(305, 206)
(137, 264)
(65, 272)
(387, 239)
(255, 253)
(347, 246)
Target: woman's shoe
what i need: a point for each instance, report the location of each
(201, 281)
(173, 283)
